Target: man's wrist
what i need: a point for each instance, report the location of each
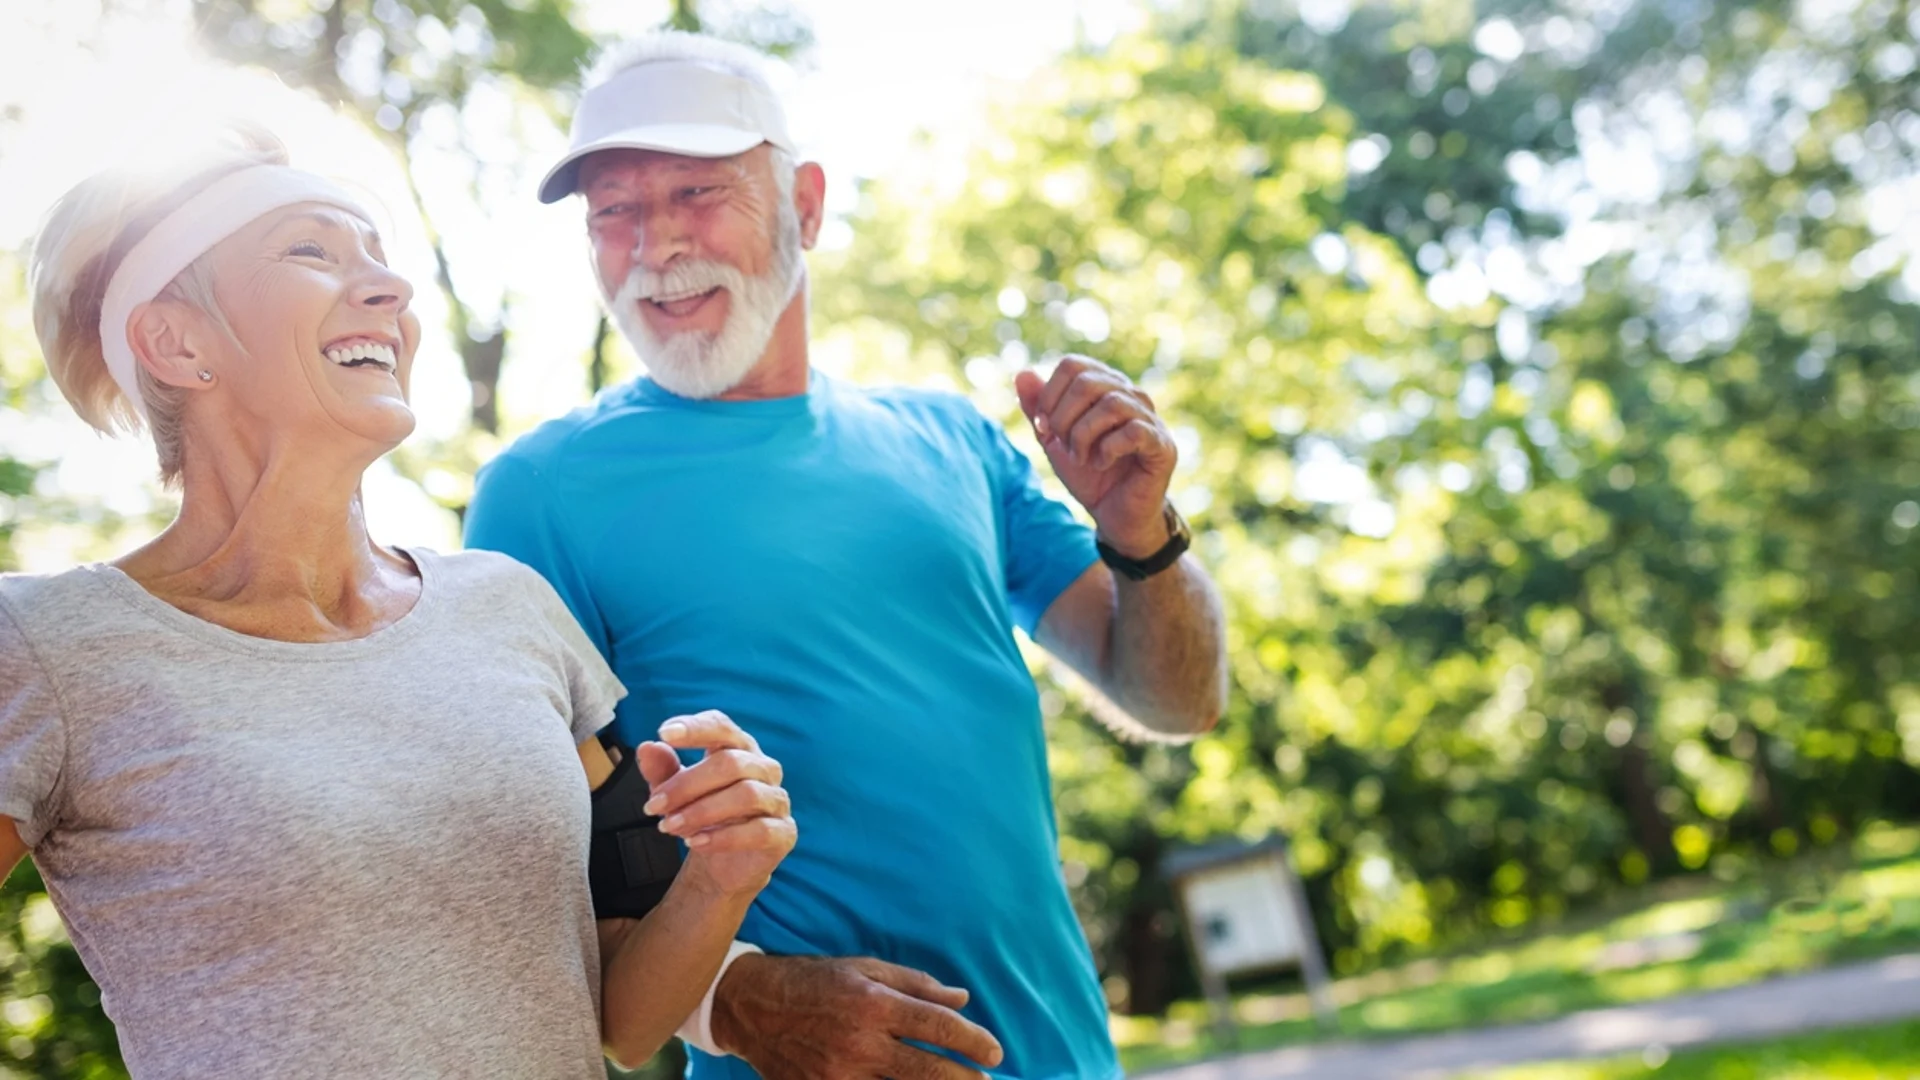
(702, 1029)
(1143, 561)
(1138, 539)
(724, 1024)
(1137, 543)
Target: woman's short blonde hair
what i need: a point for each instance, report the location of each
(82, 242)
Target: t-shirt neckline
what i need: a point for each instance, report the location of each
(120, 584)
(647, 390)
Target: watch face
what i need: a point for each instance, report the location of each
(1177, 525)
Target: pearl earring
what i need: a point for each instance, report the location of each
(205, 375)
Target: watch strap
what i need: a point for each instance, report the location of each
(1179, 538)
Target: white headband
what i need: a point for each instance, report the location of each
(190, 232)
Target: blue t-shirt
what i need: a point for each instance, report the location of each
(841, 572)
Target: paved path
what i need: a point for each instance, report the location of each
(1882, 990)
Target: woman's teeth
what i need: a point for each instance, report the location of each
(364, 353)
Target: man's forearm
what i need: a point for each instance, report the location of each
(655, 971)
(1166, 658)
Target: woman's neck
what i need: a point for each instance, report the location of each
(275, 544)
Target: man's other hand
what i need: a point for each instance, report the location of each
(836, 1018)
(1107, 445)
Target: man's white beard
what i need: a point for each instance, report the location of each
(701, 364)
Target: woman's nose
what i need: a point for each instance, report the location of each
(382, 288)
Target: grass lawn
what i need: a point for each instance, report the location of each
(1891, 1051)
(1688, 935)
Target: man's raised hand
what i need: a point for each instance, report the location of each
(1107, 445)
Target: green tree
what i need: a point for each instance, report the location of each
(1565, 521)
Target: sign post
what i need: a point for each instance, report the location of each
(1245, 913)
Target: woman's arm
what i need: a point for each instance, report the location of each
(737, 823)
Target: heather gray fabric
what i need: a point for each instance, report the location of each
(362, 858)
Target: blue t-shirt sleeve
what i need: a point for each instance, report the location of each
(1042, 547)
(512, 513)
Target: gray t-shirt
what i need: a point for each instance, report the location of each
(363, 858)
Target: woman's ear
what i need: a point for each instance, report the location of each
(166, 339)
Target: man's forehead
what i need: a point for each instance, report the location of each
(616, 166)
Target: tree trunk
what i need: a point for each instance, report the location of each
(597, 366)
(1146, 949)
(1639, 789)
(1639, 792)
(482, 358)
(1765, 799)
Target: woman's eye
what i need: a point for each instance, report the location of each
(308, 249)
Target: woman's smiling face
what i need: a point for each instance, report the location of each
(325, 331)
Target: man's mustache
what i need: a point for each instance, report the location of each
(683, 279)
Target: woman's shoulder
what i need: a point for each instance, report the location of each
(480, 574)
(31, 604)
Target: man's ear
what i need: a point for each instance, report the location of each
(810, 201)
(166, 338)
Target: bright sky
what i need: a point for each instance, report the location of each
(93, 91)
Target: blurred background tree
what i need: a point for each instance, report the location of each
(1551, 408)
(1545, 379)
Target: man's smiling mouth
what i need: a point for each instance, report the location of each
(680, 305)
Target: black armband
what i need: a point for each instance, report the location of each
(631, 863)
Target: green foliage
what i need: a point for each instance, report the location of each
(1565, 517)
(1688, 936)
(16, 374)
(51, 1025)
(1534, 590)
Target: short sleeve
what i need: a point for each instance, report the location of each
(511, 513)
(1042, 547)
(33, 739)
(592, 687)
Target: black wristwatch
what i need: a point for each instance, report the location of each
(1179, 538)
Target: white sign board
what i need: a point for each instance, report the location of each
(1242, 916)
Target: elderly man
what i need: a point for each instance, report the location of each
(842, 568)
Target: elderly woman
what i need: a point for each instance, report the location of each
(310, 805)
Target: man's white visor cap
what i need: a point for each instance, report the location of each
(673, 106)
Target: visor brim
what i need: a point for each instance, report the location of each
(688, 140)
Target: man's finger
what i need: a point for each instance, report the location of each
(913, 982)
(736, 802)
(657, 763)
(1108, 413)
(1068, 369)
(913, 1063)
(1133, 437)
(1028, 385)
(928, 1012)
(1086, 391)
(947, 1030)
(720, 769)
(710, 730)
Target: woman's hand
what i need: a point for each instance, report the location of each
(730, 808)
